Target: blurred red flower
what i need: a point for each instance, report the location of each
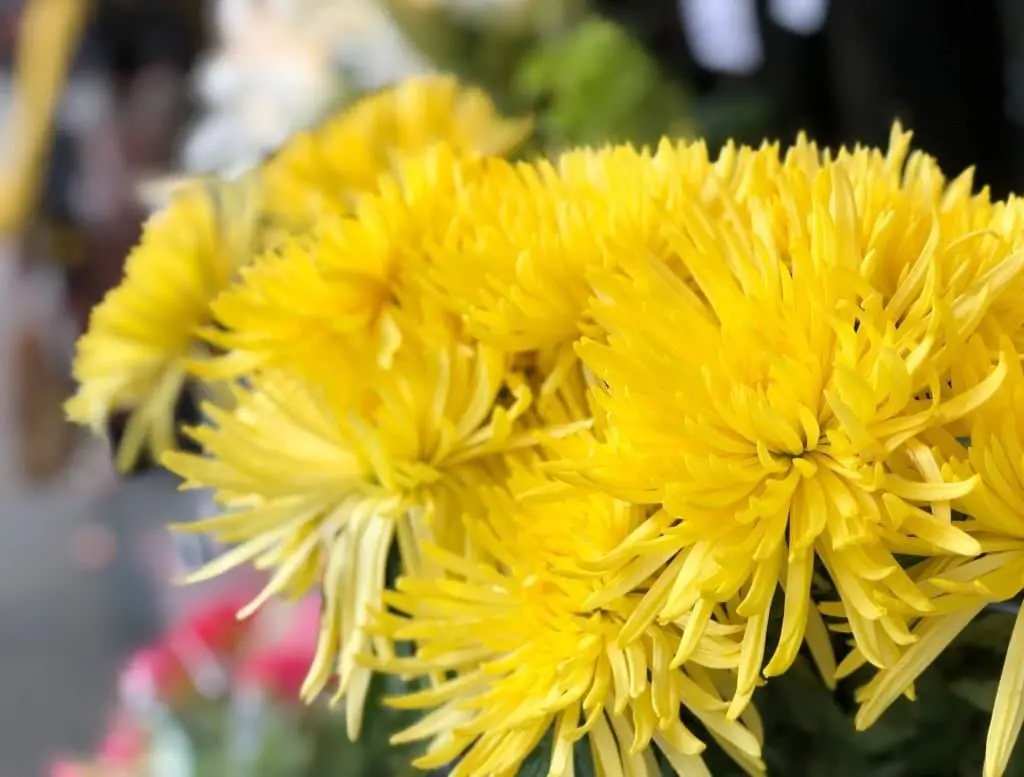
(215, 624)
(281, 667)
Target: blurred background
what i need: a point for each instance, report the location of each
(103, 102)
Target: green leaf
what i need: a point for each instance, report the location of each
(583, 759)
(538, 762)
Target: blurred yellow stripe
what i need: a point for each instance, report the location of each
(47, 39)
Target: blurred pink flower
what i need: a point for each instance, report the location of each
(277, 673)
(124, 743)
(207, 636)
(62, 768)
(281, 667)
(305, 624)
(157, 670)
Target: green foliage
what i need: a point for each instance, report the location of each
(216, 738)
(539, 761)
(536, 765)
(585, 79)
(373, 755)
(596, 84)
(587, 83)
(483, 55)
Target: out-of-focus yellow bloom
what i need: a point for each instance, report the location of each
(317, 489)
(143, 338)
(773, 401)
(329, 168)
(522, 652)
(46, 42)
(962, 587)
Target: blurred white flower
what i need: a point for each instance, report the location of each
(804, 17)
(279, 68)
(724, 35)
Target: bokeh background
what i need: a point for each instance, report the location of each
(157, 89)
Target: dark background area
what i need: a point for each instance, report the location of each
(951, 70)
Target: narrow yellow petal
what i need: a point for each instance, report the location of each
(1008, 710)
(934, 634)
(684, 764)
(797, 606)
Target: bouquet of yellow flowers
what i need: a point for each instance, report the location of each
(588, 449)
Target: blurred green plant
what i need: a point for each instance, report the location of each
(584, 77)
(256, 739)
(595, 84)
(481, 49)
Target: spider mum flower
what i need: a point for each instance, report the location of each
(516, 259)
(144, 336)
(325, 300)
(925, 240)
(521, 653)
(773, 404)
(329, 168)
(315, 489)
(962, 587)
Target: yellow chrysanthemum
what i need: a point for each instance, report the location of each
(525, 237)
(324, 301)
(315, 488)
(329, 168)
(143, 336)
(522, 653)
(773, 402)
(924, 240)
(962, 587)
